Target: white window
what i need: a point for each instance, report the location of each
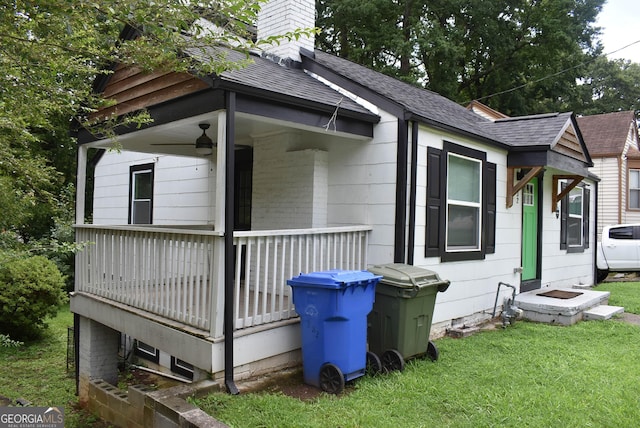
(464, 203)
(141, 194)
(527, 195)
(634, 189)
(574, 220)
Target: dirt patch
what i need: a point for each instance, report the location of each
(301, 391)
(630, 318)
(288, 382)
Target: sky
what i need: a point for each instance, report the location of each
(620, 22)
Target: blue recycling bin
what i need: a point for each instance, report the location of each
(333, 308)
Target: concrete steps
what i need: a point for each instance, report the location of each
(582, 304)
(602, 312)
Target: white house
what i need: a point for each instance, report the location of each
(319, 163)
(612, 140)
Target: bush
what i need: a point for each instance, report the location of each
(31, 289)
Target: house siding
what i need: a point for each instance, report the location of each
(561, 268)
(362, 186)
(186, 201)
(473, 282)
(608, 192)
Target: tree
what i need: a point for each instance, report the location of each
(611, 85)
(470, 49)
(50, 53)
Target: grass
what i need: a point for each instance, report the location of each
(625, 294)
(528, 375)
(37, 372)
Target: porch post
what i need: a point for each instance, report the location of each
(217, 279)
(81, 183)
(229, 204)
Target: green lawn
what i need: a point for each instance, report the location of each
(37, 372)
(528, 375)
(625, 294)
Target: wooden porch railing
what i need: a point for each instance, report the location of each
(269, 258)
(173, 273)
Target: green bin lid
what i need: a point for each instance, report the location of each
(406, 276)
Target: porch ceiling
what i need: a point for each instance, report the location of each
(178, 137)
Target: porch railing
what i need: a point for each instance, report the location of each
(269, 258)
(175, 273)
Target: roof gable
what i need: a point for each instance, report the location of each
(556, 133)
(606, 134)
(132, 89)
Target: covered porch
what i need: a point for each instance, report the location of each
(228, 224)
(165, 286)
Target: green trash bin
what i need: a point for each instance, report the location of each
(400, 321)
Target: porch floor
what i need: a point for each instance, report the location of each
(554, 310)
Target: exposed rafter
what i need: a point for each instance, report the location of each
(513, 188)
(575, 180)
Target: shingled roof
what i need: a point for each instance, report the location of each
(606, 134)
(536, 131)
(421, 104)
(276, 81)
(541, 130)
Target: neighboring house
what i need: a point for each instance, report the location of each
(612, 140)
(320, 163)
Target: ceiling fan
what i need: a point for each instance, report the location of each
(204, 145)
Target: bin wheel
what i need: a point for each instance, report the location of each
(432, 351)
(331, 379)
(374, 365)
(392, 360)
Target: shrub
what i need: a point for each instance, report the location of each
(31, 289)
(7, 342)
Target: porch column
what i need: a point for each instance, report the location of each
(98, 356)
(81, 183)
(217, 279)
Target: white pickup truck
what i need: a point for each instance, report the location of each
(619, 250)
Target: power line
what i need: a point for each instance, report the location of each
(506, 91)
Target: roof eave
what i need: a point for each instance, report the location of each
(230, 85)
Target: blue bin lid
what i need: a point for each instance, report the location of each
(333, 278)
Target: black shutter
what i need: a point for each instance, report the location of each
(434, 202)
(490, 208)
(585, 217)
(564, 213)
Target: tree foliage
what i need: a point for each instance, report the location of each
(609, 85)
(50, 53)
(470, 49)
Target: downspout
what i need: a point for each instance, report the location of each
(401, 193)
(413, 184)
(595, 233)
(228, 244)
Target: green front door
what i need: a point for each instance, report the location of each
(530, 230)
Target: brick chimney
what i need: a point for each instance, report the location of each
(279, 17)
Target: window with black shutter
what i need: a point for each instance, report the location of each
(461, 203)
(574, 219)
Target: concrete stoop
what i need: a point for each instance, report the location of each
(602, 312)
(565, 311)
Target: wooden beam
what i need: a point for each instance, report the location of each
(510, 174)
(556, 197)
(513, 189)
